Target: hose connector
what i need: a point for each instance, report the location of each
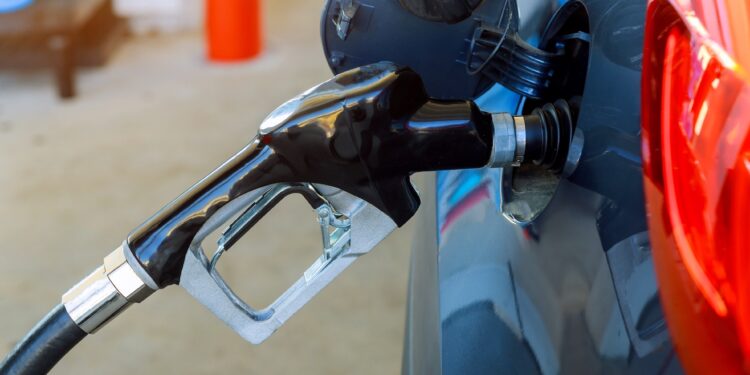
(108, 291)
(508, 140)
(544, 137)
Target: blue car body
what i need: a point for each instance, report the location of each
(573, 291)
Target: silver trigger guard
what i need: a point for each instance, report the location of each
(358, 227)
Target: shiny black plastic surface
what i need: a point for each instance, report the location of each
(364, 131)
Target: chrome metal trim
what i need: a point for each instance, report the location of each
(503, 140)
(93, 301)
(106, 292)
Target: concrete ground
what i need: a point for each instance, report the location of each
(77, 176)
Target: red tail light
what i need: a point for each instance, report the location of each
(696, 118)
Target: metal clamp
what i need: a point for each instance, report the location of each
(350, 227)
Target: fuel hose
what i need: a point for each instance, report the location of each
(44, 345)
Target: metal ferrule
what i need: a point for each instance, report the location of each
(504, 141)
(107, 291)
(508, 140)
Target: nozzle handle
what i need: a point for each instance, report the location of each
(364, 131)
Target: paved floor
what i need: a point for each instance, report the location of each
(77, 176)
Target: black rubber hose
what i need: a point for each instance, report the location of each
(44, 345)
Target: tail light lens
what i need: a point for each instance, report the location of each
(696, 149)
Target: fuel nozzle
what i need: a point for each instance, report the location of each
(365, 131)
(349, 146)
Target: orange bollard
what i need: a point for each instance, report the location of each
(234, 29)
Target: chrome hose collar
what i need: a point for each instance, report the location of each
(107, 291)
(503, 141)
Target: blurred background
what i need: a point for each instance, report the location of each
(108, 110)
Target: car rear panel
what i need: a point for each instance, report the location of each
(575, 290)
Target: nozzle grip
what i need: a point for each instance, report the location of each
(160, 243)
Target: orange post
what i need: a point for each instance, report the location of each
(234, 29)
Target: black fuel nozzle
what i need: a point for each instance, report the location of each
(365, 131)
(349, 146)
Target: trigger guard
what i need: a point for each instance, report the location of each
(368, 227)
(222, 215)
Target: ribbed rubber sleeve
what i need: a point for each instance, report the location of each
(44, 345)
